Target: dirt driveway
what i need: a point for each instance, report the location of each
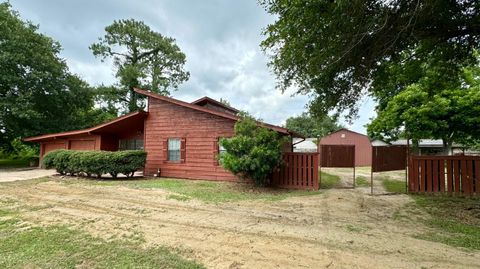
(338, 228)
(7, 175)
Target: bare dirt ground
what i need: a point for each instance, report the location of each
(339, 228)
(14, 174)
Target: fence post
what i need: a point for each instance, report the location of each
(354, 183)
(374, 153)
(316, 174)
(406, 168)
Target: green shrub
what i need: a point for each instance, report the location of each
(22, 150)
(97, 163)
(253, 152)
(48, 161)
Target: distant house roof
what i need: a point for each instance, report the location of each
(107, 127)
(214, 112)
(206, 100)
(424, 143)
(305, 146)
(377, 143)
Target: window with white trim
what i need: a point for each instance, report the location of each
(174, 149)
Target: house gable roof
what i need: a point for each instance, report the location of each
(213, 112)
(130, 116)
(204, 100)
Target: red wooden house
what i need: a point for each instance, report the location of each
(181, 139)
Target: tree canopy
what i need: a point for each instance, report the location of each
(433, 108)
(341, 50)
(38, 94)
(142, 58)
(311, 126)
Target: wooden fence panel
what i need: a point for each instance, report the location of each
(435, 178)
(430, 176)
(298, 171)
(463, 175)
(477, 177)
(441, 174)
(413, 176)
(337, 155)
(455, 175)
(389, 158)
(449, 176)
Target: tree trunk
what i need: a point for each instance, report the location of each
(447, 146)
(132, 106)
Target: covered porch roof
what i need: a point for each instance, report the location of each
(126, 123)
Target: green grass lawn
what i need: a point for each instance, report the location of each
(395, 186)
(456, 220)
(206, 191)
(26, 246)
(362, 181)
(329, 181)
(14, 163)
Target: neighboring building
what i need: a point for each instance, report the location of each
(305, 145)
(180, 138)
(430, 147)
(363, 147)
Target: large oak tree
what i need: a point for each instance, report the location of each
(340, 50)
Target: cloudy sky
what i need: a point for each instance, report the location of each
(220, 38)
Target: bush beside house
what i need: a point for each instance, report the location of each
(89, 163)
(253, 152)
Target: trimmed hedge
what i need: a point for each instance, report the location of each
(89, 163)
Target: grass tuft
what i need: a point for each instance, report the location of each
(329, 181)
(177, 197)
(362, 181)
(395, 186)
(356, 228)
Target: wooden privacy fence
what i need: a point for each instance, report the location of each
(459, 175)
(298, 171)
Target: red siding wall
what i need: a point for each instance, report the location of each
(363, 147)
(201, 132)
